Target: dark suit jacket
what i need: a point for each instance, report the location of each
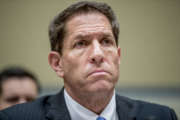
(54, 108)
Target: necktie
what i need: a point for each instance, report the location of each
(100, 118)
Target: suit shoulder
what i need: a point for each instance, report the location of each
(156, 111)
(25, 111)
(146, 110)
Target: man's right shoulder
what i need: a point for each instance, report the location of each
(26, 111)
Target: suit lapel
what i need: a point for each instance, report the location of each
(56, 108)
(126, 108)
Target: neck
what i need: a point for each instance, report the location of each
(96, 102)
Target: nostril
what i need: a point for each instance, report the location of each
(97, 60)
(93, 60)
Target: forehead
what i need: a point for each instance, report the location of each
(85, 23)
(18, 86)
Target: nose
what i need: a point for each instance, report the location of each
(97, 54)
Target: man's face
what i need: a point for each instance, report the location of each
(90, 57)
(15, 91)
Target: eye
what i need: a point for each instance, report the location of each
(29, 99)
(12, 99)
(80, 44)
(107, 42)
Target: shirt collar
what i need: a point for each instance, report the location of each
(79, 112)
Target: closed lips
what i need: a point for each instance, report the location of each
(98, 72)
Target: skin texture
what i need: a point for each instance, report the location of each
(90, 60)
(16, 91)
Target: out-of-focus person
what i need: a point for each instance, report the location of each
(17, 85)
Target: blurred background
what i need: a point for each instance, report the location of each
(149, 41)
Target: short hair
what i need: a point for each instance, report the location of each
(17, 72)
(57, 26)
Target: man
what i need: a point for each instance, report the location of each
(85, 53)
(17, 85)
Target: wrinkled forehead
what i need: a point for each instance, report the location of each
(85, 14)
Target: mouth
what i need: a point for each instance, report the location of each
(98, 72)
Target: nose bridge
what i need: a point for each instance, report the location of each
(96, 53)
(97, 50)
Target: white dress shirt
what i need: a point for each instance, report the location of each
(79, 112)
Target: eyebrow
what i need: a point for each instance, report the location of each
(103, 35)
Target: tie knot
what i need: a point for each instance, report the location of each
(100, 118)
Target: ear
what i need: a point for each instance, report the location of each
(119, 54)
(55, 61)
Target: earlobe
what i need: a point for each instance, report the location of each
(55, 62)
(119, 54)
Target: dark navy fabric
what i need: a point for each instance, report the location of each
(54, 108)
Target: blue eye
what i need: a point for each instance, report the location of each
(80, 44)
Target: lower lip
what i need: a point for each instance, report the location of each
(99, 73)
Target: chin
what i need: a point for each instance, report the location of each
(102, 86)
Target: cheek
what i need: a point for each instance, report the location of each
(72, 64)
(113, 57)
(113, 63)
(116, 64)
(116, 61)
(69, 66)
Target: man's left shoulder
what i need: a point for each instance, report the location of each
(142, 110)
